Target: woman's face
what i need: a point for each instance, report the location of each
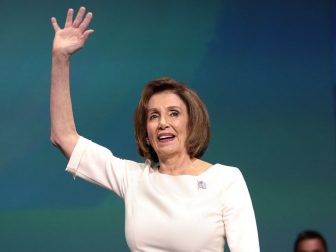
(167, 121)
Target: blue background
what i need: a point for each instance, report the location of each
(265, 69)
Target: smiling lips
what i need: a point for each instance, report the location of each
(165, 137)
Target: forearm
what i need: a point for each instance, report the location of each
(63, 129)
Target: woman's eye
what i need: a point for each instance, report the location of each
(153, 116)
(174, 113)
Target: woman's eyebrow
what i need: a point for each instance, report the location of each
(150, 110)
(174, 107)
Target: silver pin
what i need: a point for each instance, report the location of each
(201, 184)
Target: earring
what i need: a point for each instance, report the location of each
(147, 141)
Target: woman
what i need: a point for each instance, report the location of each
(174, 201)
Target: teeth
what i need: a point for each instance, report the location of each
(165, 137)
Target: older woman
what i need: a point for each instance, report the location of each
(174, 201)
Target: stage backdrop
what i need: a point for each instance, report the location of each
(264, 69)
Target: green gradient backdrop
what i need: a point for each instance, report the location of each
(264, 69)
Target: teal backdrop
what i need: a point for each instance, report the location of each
(265, 69)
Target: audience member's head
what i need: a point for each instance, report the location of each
(310, 241)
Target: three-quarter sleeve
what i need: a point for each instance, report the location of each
(97, 165)
(238, 216)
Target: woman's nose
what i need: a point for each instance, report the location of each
(163, 122)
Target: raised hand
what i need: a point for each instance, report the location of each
(74, 34)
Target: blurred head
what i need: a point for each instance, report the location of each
(310, 241)
(177, 120)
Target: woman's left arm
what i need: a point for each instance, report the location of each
(238, 215)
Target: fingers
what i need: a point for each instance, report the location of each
(79, 22)
(68, 21)
(54, 24)
(87, 33)
(79, 17)
(86, 21)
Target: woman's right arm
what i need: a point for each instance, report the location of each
(66, 42)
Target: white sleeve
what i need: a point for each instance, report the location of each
(97, 165)
(238, 215)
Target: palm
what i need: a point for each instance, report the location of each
(68, 40)
(74, 34)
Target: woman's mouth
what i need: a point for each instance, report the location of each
(165, 137)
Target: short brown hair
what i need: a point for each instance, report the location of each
(307, 235)
(198, 123)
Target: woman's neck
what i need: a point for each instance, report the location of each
(183, 166)
(177, 165)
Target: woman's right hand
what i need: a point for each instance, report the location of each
(74, 34)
